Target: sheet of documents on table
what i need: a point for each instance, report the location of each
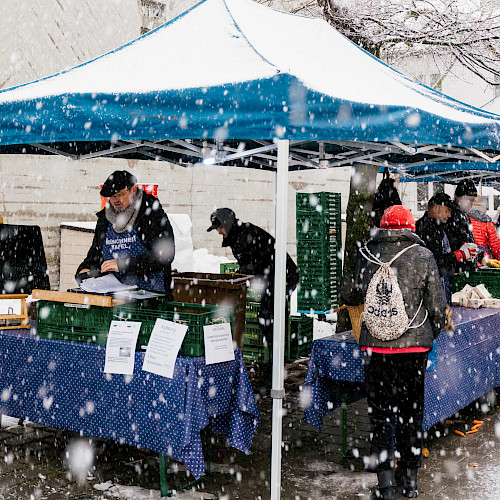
(163, 346)
(218, 343)
(10, 307)
(105, 284)
(120, 347)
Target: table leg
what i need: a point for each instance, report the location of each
(163, 462)
(344, 423)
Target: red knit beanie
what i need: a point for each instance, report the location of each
(397, 217)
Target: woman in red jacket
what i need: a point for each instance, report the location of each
(484, 230)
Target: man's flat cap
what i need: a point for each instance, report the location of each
(117, 181)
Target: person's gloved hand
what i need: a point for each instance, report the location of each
(466, 252)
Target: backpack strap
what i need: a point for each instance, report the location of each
(375, 260)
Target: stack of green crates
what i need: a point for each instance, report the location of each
(90, 324)
(254, 349)
(300, 337)
(489, 277)
(319, 246)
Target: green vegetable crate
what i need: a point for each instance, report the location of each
(490, 278)
(319, 246)
(90, 324)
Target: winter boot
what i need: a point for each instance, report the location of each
(407, 479)
(386, 486)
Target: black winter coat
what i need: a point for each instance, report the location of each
(253, 248)
(432, 234)
(418, 279)
(156, 234)
(459, 231)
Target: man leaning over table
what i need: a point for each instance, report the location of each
(133, 238)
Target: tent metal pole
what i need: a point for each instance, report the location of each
(278, 391)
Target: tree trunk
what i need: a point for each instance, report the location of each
(362, 190)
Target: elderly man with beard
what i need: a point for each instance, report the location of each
(133, 238)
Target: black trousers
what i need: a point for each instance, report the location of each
(394, 386)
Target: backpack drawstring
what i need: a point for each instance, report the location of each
(388, 264)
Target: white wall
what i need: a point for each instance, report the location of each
(48, 190)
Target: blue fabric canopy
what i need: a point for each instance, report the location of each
(234, 69)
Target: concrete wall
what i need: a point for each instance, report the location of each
(41, 37)
(49, 190)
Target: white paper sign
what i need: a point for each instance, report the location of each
(120, 347)
(10, 307)
(218, 343)
(163, 347)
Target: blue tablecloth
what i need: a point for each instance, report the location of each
(62, 385)
(467, 367)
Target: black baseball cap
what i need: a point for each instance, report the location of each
(117, 181)
(222, 217)
(440, 199)
(466, 188)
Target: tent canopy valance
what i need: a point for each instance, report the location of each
(249, 76)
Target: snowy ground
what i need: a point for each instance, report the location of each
(36, 464)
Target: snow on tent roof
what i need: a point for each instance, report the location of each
(234, 69)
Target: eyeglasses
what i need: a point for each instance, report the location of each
(120, 194)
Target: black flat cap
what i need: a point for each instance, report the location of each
(466, 188)
(440, 199)
(117, 181)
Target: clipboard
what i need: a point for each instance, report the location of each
(23, 317)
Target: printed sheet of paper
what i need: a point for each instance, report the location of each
(120, 347)
(105, 284)
(163, 347)
(218, 343)
(10, 307)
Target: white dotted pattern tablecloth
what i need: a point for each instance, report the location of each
(62, 385)
(467, 366)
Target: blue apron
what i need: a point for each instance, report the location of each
(128, 244)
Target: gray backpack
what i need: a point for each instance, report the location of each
(385, 314)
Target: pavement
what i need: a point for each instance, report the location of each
(42, 463)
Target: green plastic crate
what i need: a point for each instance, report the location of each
(195, 316)
(489, 277)
(255, 354)
(229, 267)
(252, 311)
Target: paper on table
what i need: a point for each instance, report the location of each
(105, 284)
(163, 347)
(218, 343)
(10, 307)
(120, 347)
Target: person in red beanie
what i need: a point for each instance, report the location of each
(395, 367)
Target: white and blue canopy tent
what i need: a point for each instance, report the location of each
(233, 82)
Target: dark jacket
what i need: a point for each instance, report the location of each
(156, 234)
(253, 248)
(418, 279)
(432, 233)
(459, 231)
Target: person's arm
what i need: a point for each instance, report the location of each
(159, 243)
(434, 298)
(493, 240)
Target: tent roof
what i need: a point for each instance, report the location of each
(228, 77)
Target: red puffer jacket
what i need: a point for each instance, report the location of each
(485, 233)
